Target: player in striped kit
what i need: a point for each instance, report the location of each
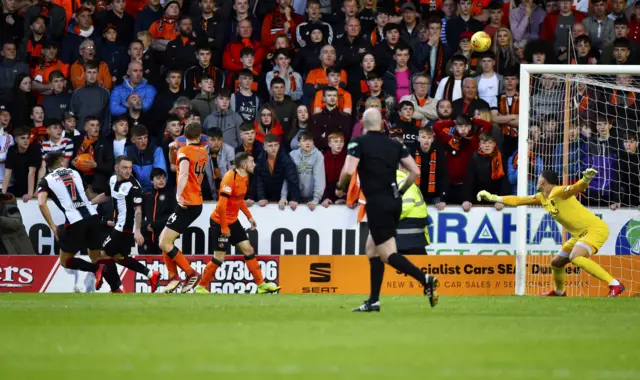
(126, 193)
(81, 229)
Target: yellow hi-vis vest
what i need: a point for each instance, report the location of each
(413, 208)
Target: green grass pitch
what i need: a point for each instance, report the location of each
(138, 336)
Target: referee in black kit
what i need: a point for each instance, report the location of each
(376, 158)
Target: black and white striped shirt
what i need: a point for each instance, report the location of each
(66, 190)
(126, 196)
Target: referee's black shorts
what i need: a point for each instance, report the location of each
(383, 215)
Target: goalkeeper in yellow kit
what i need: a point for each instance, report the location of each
(588, 232)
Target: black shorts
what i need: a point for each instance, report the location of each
(182, 218)
(383, 215)
(118, 243)
(238, 235)
(83, 234)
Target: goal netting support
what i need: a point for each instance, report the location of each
(573, 117)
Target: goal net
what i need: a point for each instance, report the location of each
(574, 117)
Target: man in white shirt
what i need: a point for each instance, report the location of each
(490, 83)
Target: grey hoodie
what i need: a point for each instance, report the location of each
(310, 173)
(204, 104)
(228, 122)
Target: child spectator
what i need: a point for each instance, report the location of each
(333, 162)
(585, 54)
(220, 162)
(311, 175)
(244, 101)
(204, 102)
(267, 124)
(23, 160)
(292, 80)
(113, 54)
(249, 143)
(6, 140)
(432, 160)
(38, 129)
(273, 168)
(408, 126)
(485, 171)
(630, 171)
(225, 119)
(344, 98)
(57, 103)
(300, 123)
(460, 141)
(159, 204)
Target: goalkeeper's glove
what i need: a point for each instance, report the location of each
(485, 195)
(588, 175)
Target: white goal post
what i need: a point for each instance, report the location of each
(529, 73)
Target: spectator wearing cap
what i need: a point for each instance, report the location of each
(204, 66)
(557, 25)
(118, 17)
(53, 16)
(58, 102)
(88, 54)
(210, 25)
(49, 64)
(231, 58)
(314, 20)
(385, 49)
(181, 51)
(133, 83)
(166, 29)
(91, 99)
(10, 67)
(317, 78)
(599, 26)
(150, 14)
(54, 143)
(351, 46)
(23, 160)
(81, 31)
(113, 54)
(14, 239)
(146, 155)
(281, 21)
(293, 80)
(526, 21)
(408, 26)
(469, 103)
(31, 48)
(461, 23)
(12, 27)
(465, 51)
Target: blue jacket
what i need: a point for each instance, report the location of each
(512, 174)
(145, 161)
(120, 94)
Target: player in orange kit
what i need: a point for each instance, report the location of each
(192, 159)
(226, 228)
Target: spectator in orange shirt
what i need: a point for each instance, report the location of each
(87, 54)
(49, 64)
(344, 98)
(282, 21)
(166, 29)
(317, 78)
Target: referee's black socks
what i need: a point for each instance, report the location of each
(377, 273)
(402, 264)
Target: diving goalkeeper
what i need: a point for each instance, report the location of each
(588, 232)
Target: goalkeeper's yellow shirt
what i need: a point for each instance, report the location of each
(563, 206)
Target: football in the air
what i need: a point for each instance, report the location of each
(480, 42)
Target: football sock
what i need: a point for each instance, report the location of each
(209, 271)
(402, 264)
(559, 276)
(110, 275)
(376, 267)
(593, 269)
(181, 261)
(135, 265)
(171, 265)
(254, 268)
(79, 264)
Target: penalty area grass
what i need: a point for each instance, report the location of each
(142, 336)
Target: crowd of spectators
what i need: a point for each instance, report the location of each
(289, 80)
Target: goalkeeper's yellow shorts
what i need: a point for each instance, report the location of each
(593, 239)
